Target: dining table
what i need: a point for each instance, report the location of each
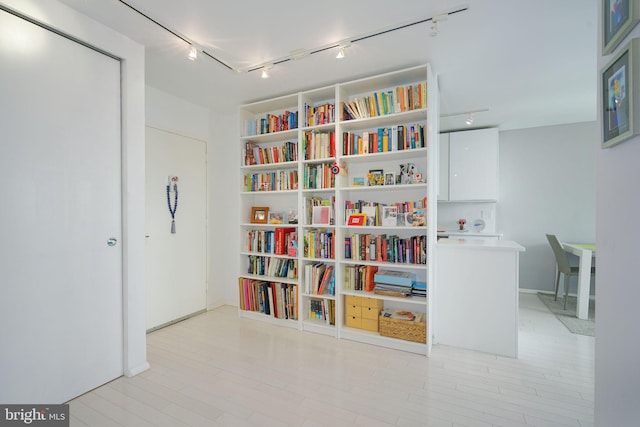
(586, 253)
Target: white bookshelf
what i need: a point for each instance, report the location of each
(331, 120)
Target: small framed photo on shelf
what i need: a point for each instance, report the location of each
(389, 178)
(277, 218)
(619, 17)
(357, 181)
(419, 218)
(259, 215)
(407, 173)
(620, 95)
(375, 177)
(389, 216)
(357, 219)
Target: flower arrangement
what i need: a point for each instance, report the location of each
(461, 223)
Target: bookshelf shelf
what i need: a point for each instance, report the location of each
(396, 141)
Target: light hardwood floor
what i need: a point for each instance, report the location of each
(219, 370)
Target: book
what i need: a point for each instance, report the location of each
(391, 277)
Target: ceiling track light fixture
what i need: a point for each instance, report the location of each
(265, 70)
(435, 28)
(302, 53)
(469, 120)
(470, 115)
(193, 53)
(341, 50)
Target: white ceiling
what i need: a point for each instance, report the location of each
(529, 62)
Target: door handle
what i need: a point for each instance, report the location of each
(112, 241)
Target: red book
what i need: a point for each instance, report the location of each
(281, 240)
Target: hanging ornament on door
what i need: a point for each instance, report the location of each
(172, 186)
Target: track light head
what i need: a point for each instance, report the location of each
(193, 53)
(265, 70)
(469, 120)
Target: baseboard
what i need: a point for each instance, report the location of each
(538, 291)
(136, 370)
(173, 322)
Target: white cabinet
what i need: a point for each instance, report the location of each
(472, 166)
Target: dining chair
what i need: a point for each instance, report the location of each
(564, 267)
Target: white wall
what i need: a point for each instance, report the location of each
(132, 67)
(224, 207)
(617, 383)
(547, 184)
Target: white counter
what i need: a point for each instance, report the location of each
(462, 234)
(476, 295)
(479, 243)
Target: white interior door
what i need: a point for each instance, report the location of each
(176, 265)
(60, 181)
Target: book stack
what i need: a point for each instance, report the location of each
(419, 289)
(393, 283)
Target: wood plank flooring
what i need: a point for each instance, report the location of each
(219, 370)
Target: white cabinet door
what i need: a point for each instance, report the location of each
(473, 165)
(443, 167)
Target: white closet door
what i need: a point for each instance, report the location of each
(60, 186)
(176, 264)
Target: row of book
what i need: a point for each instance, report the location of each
(322, 311)
(359, 277)
(279, 300)
(319, 176)
(273, 267)
(374, 210)
(254, 154)
(400, 284)
(277, 242)
(318, 216)
(272, 123)
(319, 244)
(383, 248)
(319, 279)
(271, 181)
(318, 145)
(395, 138)
(398, 100)
(319, 114)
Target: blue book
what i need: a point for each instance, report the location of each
(390, 277)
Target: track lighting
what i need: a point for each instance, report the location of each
(193, 53)
(469, 120)
(265, 70)
(341, 50)
(435, 28)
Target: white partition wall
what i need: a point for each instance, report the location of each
(70, 115)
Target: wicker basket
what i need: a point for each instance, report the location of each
(403, 329)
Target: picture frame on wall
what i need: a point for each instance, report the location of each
(620, 95)
(619, 18)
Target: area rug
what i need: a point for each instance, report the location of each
(568, 316)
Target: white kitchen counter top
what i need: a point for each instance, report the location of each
(475, 243)
(458, 233)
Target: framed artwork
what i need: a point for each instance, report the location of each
(277, 218)
(321, 215)
(375, 177)
(389, 178)
(358, 219)
(619, 95)
(389, 216)
(619, 18)
(259, 215)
